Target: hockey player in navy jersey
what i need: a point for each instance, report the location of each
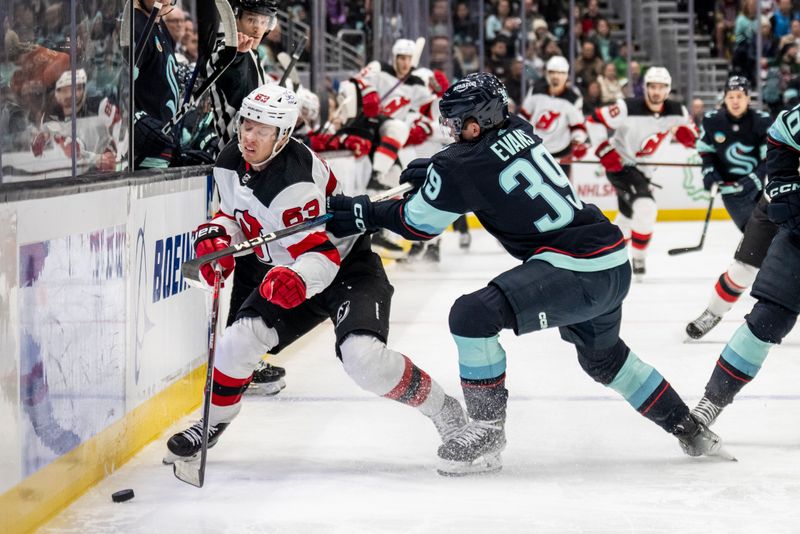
(640, 126)
(574, 272)
(733, 145)
(269, 181)
(777, 285)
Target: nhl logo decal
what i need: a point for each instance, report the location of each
(342, 312)
(719, 137)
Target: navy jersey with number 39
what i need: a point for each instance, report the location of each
(520, 195)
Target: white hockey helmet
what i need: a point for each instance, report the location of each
(557, 64)
(403, 47)
(309, 105)
(658, 75)
(65, 80)
(272, 105)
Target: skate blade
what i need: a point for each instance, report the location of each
(723, 454)
(483, 465)
(188, 472)
(265, 389)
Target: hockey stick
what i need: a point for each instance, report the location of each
(676, 251)
(226, 57)
(192, 472)
(419, 47)
(191, 269)
(298, 50)
(644, 163)
(148, 30)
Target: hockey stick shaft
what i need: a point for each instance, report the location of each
(187, 471)
(676, 251)
(191, 269)
(644, 163)
(148, 30)
(298, 50)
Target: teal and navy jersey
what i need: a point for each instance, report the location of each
(520, 195)
(734, 147)
(156, 86)
(783, 154)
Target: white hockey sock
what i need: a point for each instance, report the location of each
(730, 286)
(386, 372)
(240, 348)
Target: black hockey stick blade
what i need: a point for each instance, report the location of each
(194, 472)
(191, 269)
(699, 246)
(298, 50)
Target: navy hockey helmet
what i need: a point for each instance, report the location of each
(480, 96)
(261, 7)
(737, 83)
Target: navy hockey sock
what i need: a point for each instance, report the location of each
(738, 364)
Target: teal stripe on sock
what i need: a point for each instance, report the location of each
(636, 381)
(480, 358)
(745, 351)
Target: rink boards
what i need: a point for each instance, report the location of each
(101, 342)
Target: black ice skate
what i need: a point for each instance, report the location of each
(375, 184)
(706, 412)
(450, 420)
(186, 445)
(703, 324)
(697, 440)
(267, 380)
(386, 248)
(464, 240)
(474, 450)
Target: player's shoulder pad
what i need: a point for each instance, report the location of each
(230, 157)
(571, 95)
(414, 80)
(714, 116)
(539, 87)
(388, 69)
(292, 166)
(635, 106)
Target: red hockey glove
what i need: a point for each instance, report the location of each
(319, 142)
(39, 143)
(686, 136)
(357, 145)
(419, 133)
(283, 287)
(579, 149)
(439, 82)
(609, 157)
(208, 238)
(371, 104)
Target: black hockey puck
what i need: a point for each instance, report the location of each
(122, 495)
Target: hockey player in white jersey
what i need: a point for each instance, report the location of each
(399, 92)
(556, 112)
(640, 126)
(269, 181)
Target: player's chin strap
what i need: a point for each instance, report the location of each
(191, 269)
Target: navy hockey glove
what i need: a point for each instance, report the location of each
(351, 215)
(784, 204)
(416, 172)
(709, 177)
(148, 140)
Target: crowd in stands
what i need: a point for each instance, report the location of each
(35, 55)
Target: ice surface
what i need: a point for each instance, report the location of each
(325, 457)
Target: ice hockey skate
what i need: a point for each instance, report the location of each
(697, 440)
(186, 445)
(638, 268)
(451, 420)
(706, 412)
(703, 324)
(267, 380)
(473, 450)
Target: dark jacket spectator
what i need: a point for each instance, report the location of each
(588, 66)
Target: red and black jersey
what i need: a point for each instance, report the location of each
(290, 189)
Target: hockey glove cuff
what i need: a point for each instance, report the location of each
(709, 177)
(784, 205)
(350, 215)
(283, 287)
(208, 238)
(579, 149)
(609, 157)
(686, 136)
